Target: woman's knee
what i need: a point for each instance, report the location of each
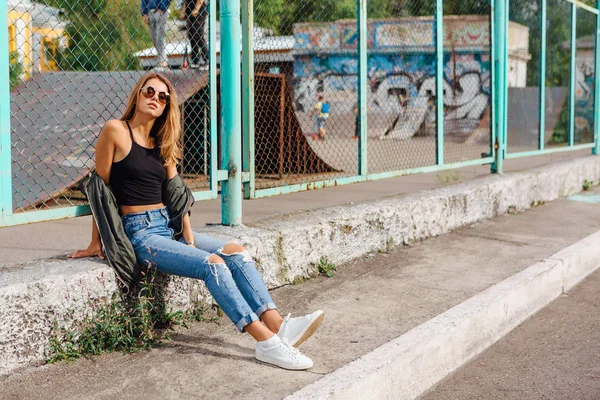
(235, 250)
(232, 248)
(218, 268)
(215, 259)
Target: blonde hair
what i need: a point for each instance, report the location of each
(166, 130)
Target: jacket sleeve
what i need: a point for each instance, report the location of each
(179, 199)
(117, 248)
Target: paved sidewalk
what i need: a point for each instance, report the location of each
(367, 303)
(48, 239)
(553, 355)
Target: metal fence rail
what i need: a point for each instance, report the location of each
(332, 92)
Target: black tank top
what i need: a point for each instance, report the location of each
(137, 179)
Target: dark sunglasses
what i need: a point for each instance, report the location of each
(149, 92)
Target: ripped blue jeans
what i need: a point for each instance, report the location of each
(235, 285)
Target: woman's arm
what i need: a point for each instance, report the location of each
(188, 234)
(105, 151)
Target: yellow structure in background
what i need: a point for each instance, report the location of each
(35, 34)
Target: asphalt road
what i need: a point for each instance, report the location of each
(553, 355)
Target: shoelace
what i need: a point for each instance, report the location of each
(287, 321)
(292, 351)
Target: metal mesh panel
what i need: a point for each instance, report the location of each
(584, 77)
(467, 76)
(402, 61)
(306, 69)
(557, 72)
(73, 64)
(524, 48)
(402, 85)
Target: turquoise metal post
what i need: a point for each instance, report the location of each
(596, 149)
(231, 134)
(542, 112)
(572, 80)
(5, 157)
(212, 77)
(499, 42)
(493, 74)
(248, 95)
(363, 165)
(439, 80)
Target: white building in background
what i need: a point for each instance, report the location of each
(518, 54)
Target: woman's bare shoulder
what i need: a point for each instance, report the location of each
(114, 129)
(113, 125)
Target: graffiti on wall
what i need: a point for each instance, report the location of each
(402, 90)
(466, 33)
(401, 73)
(400, 33)
(321, 36)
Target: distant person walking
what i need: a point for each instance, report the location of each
(195, 13)
(322, 111)
(156, 15)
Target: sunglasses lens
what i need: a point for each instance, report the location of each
(149, 92)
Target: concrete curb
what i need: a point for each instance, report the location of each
(409, 365)
(288, 248)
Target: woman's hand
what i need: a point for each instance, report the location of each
(94, 249)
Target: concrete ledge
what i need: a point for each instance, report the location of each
(286, 247)
(409, 365)
(290, 246)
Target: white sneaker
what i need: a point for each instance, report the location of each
(296, 330)
(278, 352)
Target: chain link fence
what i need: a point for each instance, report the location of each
(402, 121)
(467, 80)
(525, 43)
(73, 64)
(306, 71)
(313, 49)
(554, 61)
(585, 76)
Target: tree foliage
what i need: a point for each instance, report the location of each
(103, 35)
(558, 28)
(274, 15)
(15, 69)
